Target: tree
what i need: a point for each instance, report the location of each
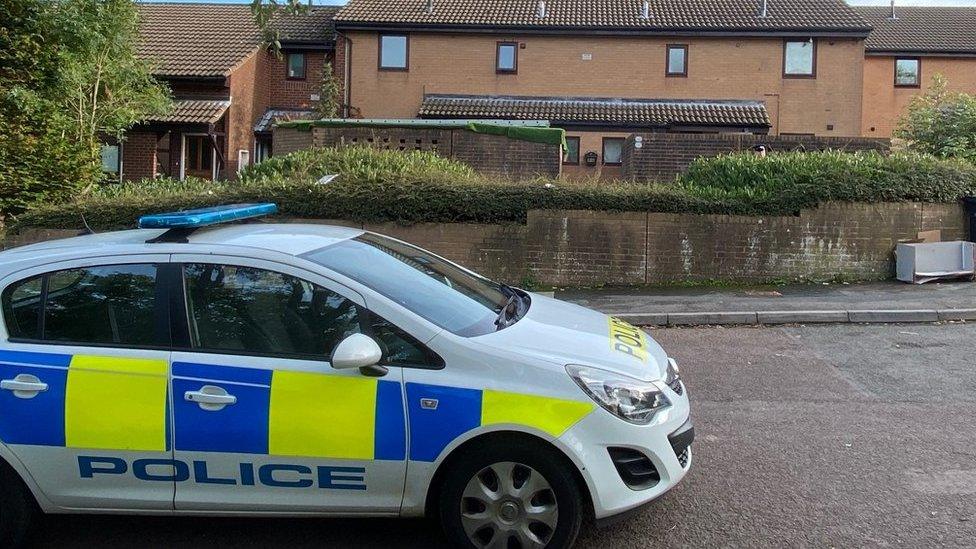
(940, 122)
(106, 88)
(68, 76)
(37, 163)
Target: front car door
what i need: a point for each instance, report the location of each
(259, 414)
(83, 382)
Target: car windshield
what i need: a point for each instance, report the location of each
(450, 297)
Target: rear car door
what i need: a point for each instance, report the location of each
(264, 420)
(83, 382)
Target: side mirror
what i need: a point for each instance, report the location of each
(358, 351)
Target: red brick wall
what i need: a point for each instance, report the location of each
(139, 156)
(584, 248)
(494, 155)
(506, 158)
(295, 94)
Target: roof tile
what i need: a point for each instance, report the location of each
(701, 15)
(194, 111)
(595, 110)
(921, 29)
(210, 40)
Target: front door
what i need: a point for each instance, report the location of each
(262, 419)
(83, 384)
(198, 156)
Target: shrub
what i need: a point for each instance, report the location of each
(791, 181)
(376, 186)
(940, 122)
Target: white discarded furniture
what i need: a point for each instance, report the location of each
(924, 262)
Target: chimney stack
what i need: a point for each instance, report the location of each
(764, 9)
(541, 10)
(645, 10)
(893, 14)
(430, 6)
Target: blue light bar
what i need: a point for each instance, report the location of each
(203, 217)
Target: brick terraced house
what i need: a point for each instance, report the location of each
(603, 69)
(908, 46)
(227, 89)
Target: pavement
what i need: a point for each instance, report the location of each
(877, 302)
(845, 435)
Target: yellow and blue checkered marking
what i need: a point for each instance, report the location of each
(461, 410)
(91, 402)
(123, 404)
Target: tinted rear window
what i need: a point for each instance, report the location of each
(113, 304)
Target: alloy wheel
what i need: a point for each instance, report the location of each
(509, 506)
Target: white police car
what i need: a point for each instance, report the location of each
(308, 370)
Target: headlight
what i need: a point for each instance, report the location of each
(629, 399)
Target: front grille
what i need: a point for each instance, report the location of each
(684, 456)
(635, 469)
(677, 387)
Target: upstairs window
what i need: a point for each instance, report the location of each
(800, 58)
(506, 58)
(677, 60)
(394, 52)
(907, 72)
(296, 66)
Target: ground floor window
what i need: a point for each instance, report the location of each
(262, 149)
(613, 148)
(111, 158)
(571, 154)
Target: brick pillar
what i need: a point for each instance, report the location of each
(139, 156)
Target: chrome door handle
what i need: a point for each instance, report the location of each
(210, 398)
(24, 386)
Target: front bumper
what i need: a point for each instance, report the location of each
(666, 444)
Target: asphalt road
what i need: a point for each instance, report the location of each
(824, 436)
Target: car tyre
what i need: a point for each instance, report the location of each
(525, 493)
(18, 510)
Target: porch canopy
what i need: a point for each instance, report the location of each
(193, 111)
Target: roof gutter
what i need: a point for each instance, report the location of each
(858, 32)
(923, 53)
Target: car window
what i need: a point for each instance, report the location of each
(439, 291)
(22, 308)
(251, 310)
(400, 348)
(102, 305)
(113, 304)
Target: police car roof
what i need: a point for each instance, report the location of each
(287, 238)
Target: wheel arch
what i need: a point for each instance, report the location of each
(495, 437)
(15, 467)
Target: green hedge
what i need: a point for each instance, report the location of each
(420, 187)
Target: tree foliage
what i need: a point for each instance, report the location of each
(68, 75)
(106, 88)
(941, 122)
(265, 12)
(328, 106)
